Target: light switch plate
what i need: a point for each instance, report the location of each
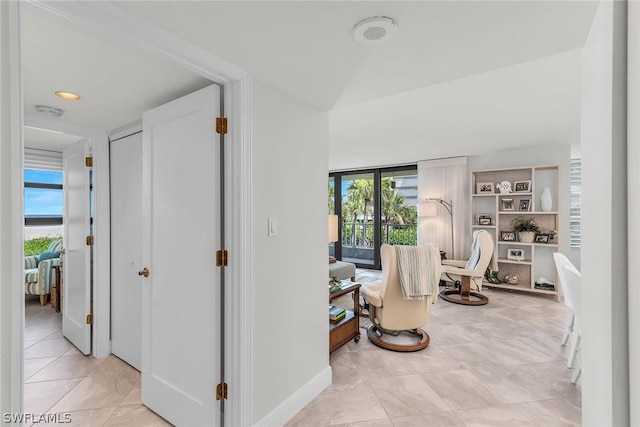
(273, 227)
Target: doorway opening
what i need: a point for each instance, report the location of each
(118, 24)
(54, 367)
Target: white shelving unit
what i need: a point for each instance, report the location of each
(487, 200)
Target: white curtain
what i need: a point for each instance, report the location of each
(445, 179)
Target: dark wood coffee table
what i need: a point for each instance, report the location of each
(347, 328)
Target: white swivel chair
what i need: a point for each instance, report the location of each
(390, 313)
(573, 279)
(469, 273)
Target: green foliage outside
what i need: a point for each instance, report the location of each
(406, 235)
(397, 217)
(36, 245)
(403, 236)
(332, 204)
(359, 203)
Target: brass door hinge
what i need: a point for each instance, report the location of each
(88, 162)
(221, 391)
(221, 125)
(89, 240)
(89, 319)
(222, 258)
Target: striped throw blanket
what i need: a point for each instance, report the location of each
(419, 270)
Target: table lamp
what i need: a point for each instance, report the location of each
(333, 233)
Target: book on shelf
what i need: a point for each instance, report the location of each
(545, 286)
(338, 317)
(336, 313)
(344, 284)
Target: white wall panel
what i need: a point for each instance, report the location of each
(605, 398)
(290, 271)
(633, 200)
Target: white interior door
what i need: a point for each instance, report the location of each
(126, 248)
(180, 336)
(76, 283)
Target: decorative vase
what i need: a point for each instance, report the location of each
(545, 200)
(526, 236)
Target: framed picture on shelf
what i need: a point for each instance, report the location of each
(522, 187)
(504, 187)
(515, 254)
(507, 204)
(485, 188)
(524, 205)
(508, 236)
(542, 238)
(483, 219)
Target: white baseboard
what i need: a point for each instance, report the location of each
(298, 400)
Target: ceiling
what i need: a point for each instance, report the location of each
(457, 76)
(116, 82)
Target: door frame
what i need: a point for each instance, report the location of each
(116, 23)
(121, 134)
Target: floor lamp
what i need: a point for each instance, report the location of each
(430, 209)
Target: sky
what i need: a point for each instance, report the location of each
(39, 201)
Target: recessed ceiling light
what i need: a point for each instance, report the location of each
(68, 95)
(45, 110)
(374, 30)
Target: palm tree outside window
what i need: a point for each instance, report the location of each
(375, 206)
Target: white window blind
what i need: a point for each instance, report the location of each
(42, 159)
(575, 178)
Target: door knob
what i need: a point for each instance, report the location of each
(144, 272)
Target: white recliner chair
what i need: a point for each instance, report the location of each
(468, 274)
(390, 313)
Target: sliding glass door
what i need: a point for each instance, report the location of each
(374, 207)
(399, 191)
(358, 215)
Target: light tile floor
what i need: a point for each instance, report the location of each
(60, 380)
(498, 364)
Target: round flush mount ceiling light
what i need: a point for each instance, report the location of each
(374, 30)
(45, 110)
(67, 95)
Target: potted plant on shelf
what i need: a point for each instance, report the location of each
(526, 228)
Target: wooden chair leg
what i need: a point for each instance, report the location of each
(372, 313)
(43, 299)
(465, 288)
(463, 296)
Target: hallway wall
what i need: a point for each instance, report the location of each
(290, 335)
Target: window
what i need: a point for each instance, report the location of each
(43, 197)
(575, 191)
(375, 206)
